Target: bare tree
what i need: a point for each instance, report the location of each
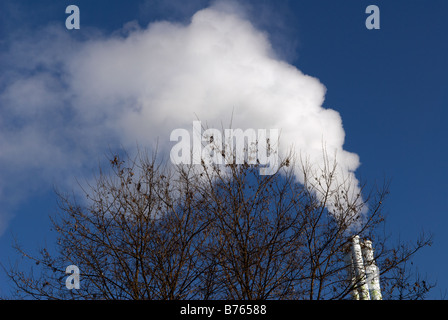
(148, 230)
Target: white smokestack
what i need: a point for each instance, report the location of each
(363, 274)
(360, 271)
(372, 271)
(348, 259)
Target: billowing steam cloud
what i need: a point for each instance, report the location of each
(64, 102)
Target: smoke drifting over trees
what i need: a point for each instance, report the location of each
(72, 98)
(148, 230)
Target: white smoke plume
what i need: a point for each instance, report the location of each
(64, 102)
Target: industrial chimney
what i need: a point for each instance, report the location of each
(362, 270)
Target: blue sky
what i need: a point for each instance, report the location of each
(388, 85)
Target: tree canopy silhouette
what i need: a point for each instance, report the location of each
(149, 230)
